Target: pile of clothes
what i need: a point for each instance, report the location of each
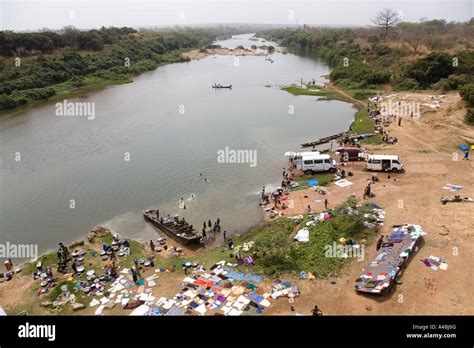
(375, 218)
(319, 217)
(282, 288)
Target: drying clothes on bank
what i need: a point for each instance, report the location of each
(343, 183)
(435, 263)
(282, 288)
(302, 236)
(219, 292)
(393, 253)
(452, 188)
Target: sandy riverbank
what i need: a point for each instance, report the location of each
(426, 147)
(199, 54)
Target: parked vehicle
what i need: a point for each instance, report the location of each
(384, 163)
(310, 163)
(349, 153)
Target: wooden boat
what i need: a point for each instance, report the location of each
(323, 140)
(216, 86)
(169, 226)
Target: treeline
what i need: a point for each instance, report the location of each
(46, 41)
(360, 59)
(32, 78)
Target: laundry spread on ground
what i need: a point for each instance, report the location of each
(282, 288)
(453, 188)
(302, 236)
(343, 183)
(393, 254)
(435, 263)
(223, 291)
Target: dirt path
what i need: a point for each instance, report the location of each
(332, 86)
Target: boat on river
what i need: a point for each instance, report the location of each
(177, 229)
(221, 86)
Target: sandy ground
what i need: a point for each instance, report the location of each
(426, 147)
(196, 54)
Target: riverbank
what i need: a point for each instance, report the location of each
(425, 146)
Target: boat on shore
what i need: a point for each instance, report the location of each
(323, 140)
(177, 229)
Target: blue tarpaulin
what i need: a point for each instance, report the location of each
(313, 182)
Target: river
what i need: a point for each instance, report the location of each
(170, 123)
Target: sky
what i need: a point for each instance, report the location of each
(23, 15)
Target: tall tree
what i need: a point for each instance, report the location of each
(386, 19)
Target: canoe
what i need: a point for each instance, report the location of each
(323, 140)
(230, 87)
(170, 228)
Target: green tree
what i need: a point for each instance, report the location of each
(467, 93)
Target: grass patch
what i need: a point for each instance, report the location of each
(53, 295)
(277, 253)
(324, 179)
(318, 91)
(361, 94)
(363, 124)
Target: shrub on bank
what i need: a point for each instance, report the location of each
(469, 118)
(467, 93)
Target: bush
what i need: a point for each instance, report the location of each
(469, 118)
(431, 69)
(405, 83)
(453, 82)
(7, 102)
(467, 93)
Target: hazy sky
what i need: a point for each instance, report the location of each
(55, 14)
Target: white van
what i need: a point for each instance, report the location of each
(384, 163)
(316, 163)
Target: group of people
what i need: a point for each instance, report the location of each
(287, 178)
(63, 258)
(209, 227)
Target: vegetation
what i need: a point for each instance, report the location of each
(315, 90)
(411, 56)
(467, 93)
(278, 253)
(324, 179)
(470, 116)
